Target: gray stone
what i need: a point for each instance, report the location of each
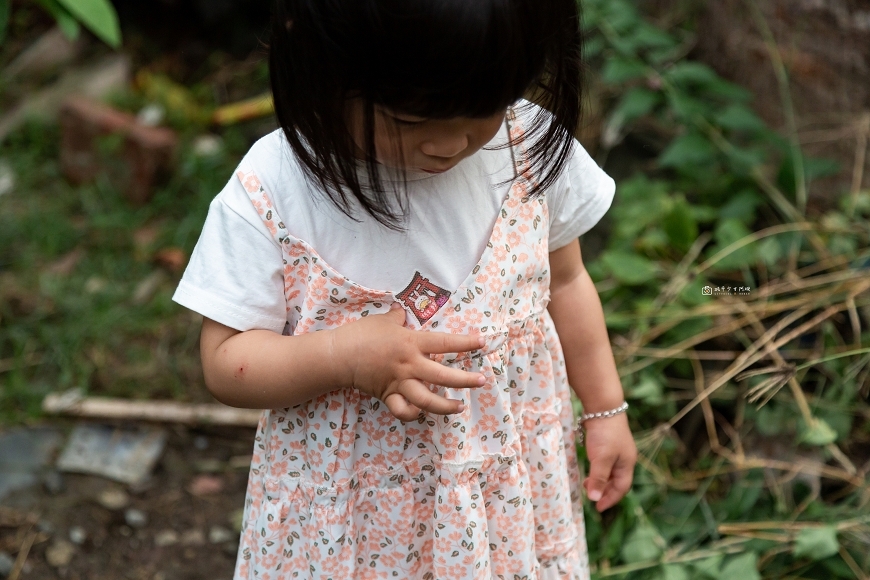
(219, 535)
(53, 482)
(77, 535)
(23, 453)
(113, 499)
(6, 564)
(60, 553)
(135, 518)
(125, 455)
(193, 537)
(165, 538)
(45, 526)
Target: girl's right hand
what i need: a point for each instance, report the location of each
(384, 359)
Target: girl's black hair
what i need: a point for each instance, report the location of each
(428, 58)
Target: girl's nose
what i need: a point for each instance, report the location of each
(445, 146)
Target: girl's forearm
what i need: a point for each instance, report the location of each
(260, 369)
(579, 318)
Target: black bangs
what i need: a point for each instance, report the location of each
(429, 58)
(451, 58)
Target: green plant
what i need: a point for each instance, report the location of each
(747, 398)
(98, 16)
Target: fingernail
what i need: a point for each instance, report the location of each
(460, 408)
(481, 380)
(594, 495)
(481, 341)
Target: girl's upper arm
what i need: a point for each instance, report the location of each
(566, 264)
(212, 335)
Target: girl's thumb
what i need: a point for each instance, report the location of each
(397, 312)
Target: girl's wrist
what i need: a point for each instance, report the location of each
(342, 355)
(601, 399)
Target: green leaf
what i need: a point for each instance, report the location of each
(692, 293)
(98, 16)
(635, 103)
(769, 251)
(772, 419)
(818, 433)
(739, 118)
(727, 232)
(593, 47)
(619, 70)
(742, 207)
(727, 91)
(65, 21)
(840, 420)
(691, 73)
(4, 18)
(648, 390)
(629, 268)
(816, 543)
(742, 160)
(614, 538)
(709, 567)
(691, 149)
(642, 544)
(648, 36)
(744, 567)
(687, 329)
(680, 226)
(675, 572)
(687, 107)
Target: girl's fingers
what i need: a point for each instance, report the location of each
(401, 408)
(443, 342)
(396, 313)
(600, 469)
(419, 395)
(619, 484)
(438, 374)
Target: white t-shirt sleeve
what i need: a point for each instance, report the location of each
(235, 274)
(578, 199)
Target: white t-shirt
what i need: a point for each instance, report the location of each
(235, 275)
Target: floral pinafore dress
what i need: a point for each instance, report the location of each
(340, 489)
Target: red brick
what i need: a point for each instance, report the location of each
(99, 140)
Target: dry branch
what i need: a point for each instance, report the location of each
(158, 411)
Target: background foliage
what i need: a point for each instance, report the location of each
(98, 16)
(745, 472)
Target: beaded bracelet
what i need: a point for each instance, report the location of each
(600, 415)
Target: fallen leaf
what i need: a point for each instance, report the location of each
(171, 259)
(206, 485)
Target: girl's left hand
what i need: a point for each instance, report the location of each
(612, 454)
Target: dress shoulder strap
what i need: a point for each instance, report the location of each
(262, 201)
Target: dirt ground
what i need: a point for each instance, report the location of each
(181, 525)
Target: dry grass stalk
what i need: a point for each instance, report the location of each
(673, 556)
(854, 524)
(853, 284)
(23, 552)
(862, 133)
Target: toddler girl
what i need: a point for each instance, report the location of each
(395, 276)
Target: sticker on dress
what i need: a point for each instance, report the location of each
(423, 297)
